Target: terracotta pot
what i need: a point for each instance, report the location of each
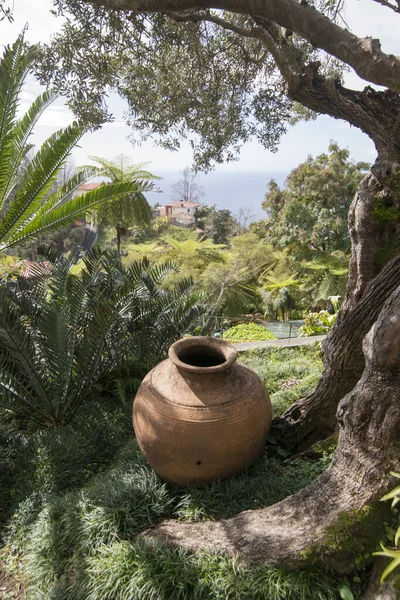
(201, 414)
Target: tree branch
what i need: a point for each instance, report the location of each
(197, 17)
(364, 55)
(395, 7)
(257, 32)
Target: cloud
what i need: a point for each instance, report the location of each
(55, 117)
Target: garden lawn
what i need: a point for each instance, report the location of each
(287, 373)
(76, 498)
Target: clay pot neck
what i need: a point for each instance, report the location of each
(202, 355)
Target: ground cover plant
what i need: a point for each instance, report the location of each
(76, 497)
(287, 373)
(248, 332)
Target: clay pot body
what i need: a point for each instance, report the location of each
(201, 414)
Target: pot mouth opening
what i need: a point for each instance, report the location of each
(199, 358)
(200, 354)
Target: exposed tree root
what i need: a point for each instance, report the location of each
(375, 590)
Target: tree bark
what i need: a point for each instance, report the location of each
(375, 590)
(118, 228)
(313, 418)
(319, 523)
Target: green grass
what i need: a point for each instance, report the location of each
(287, 373)
(79, 496)
(43, 464)
(141, 572)
(65, 540)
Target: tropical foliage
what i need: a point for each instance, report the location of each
(233, 285)
(29, 205)
(306, 283)
(131, 208)
(317, 323)
(67, 337)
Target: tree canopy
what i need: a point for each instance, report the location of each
(310, 213)
(217, 73)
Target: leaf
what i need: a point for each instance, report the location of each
(345, 591)
(388, 553)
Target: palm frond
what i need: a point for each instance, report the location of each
(14, 67)
(64, 335)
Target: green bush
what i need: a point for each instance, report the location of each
(317, 323)
(248, 332)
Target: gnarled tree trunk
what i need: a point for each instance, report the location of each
(309, 525)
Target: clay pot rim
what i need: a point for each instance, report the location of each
(228, 352)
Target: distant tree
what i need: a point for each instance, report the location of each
(187, 188)
(192, 255)
(310, 213)
(202, 213)
(220, 225)
(244, 217)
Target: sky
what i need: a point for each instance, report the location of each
(233, 185)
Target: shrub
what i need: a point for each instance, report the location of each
(317, 323)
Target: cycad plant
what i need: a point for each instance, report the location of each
(28, 206)
(131, 208)
(65, 338)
